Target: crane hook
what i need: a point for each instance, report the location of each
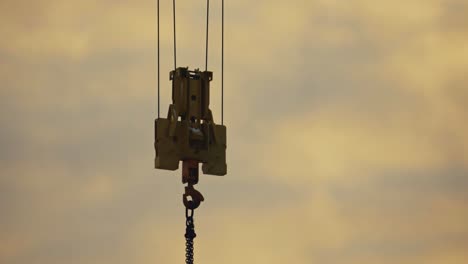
(192, 198)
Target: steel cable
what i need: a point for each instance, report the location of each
(222, 62)
(159, 82)
(207, 30)
(174, 24)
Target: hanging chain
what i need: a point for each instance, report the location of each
(191, 199)
(189, 235)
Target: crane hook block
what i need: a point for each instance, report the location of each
(189, 131)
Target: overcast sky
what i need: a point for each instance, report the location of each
(347, 132)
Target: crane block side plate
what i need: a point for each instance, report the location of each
(185, 145)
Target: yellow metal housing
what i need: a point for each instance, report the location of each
(189, 132)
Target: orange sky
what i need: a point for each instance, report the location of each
(347, 133)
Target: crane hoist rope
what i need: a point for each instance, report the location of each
(189, 133)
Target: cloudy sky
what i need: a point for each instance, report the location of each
(347, 132)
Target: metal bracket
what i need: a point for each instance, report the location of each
(191, 198)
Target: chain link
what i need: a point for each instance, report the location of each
(189, 235)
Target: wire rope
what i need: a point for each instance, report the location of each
(159, 82)
(207, 30)
(222, 62)
(174, 24)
